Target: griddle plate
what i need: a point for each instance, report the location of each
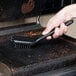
(46, 50)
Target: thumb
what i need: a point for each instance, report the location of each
(48, 29)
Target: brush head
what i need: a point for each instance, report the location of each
(22, 42)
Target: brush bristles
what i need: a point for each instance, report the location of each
(22, 46)
(18, 45)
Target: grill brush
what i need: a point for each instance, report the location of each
(24, 42)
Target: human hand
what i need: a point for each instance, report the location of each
(58, 20)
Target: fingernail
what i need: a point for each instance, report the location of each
(44, 33)
(49, 37)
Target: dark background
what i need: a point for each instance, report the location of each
(11, 9)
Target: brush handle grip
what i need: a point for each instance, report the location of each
(52, 32)
(68, 22)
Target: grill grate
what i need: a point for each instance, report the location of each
(48, 54)
(46, 50)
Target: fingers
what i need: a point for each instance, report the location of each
(49, 37)
(63, 29)
(59, 19)
(57, 33)
(60, 31)
(48, 28)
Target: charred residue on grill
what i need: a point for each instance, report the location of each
(46, 50)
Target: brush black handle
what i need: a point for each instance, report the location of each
(52, 32)
(69, 22)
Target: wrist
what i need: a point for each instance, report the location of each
(70, 10)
